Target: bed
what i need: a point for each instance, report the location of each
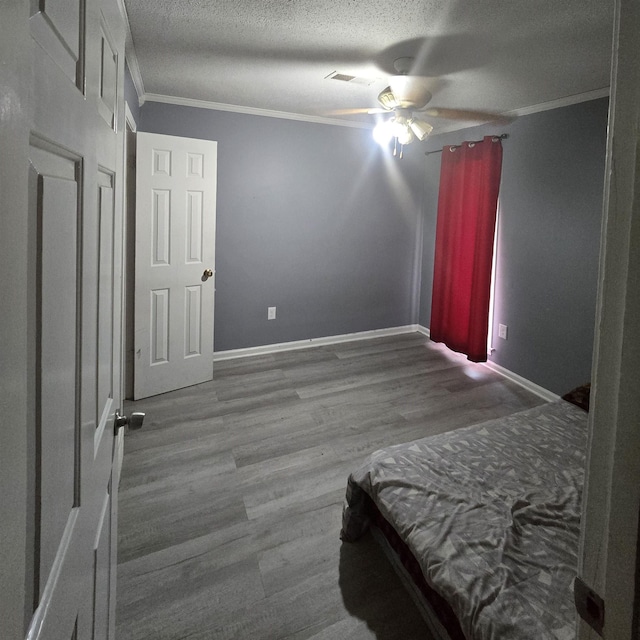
(485, 521)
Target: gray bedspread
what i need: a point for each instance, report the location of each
(492, 514)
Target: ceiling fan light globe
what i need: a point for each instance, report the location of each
(406, 137)
(421, 129)
(398, 126)
(382, 133)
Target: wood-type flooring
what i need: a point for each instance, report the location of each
(231, 495)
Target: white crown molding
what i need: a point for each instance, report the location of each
(253, 111)
(458, 126)
(136, 76)
(561, 102)
(567, 101)
(130, 55)
(313, 342)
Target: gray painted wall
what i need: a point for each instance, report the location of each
(321, 223)
(315, 220)
(548, 240)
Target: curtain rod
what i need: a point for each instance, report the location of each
(502, 136)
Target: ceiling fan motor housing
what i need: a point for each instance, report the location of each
(406, 92)
(403, 114)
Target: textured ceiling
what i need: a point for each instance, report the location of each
(494, 55)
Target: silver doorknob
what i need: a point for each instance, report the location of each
(134, 421)
(208, 273)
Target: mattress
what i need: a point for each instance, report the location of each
(491, 514)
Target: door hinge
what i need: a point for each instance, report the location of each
(589, 604)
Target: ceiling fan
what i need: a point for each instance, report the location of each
(407, 97)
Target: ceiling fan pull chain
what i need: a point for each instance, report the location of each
(401, 151)
(395, 147)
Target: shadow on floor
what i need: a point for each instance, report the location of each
(371, 591)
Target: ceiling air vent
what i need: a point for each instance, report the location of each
(340, 76)
(345, 77)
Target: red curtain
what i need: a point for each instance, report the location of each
(467, 204)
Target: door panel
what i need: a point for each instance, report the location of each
(194, 227)
(161, 230)
(193, 313)
(175, 244)
(160, 326)
(108, 77)
(105, 287)
(58, 26)
(55, 204)
(53, 518)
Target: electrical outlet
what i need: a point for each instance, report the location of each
(271, 313)
(502, 331)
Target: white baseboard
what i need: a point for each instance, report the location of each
(523, 382)
(316, 342)
(266, 349)
(423, 330)
(510, 375)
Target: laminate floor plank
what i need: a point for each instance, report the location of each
(193, 596)
(277, 495)
(162, 514)
(321, 430)
(297, 521)
(251, 384)
(231, 495)
(174, 432)
(390, 343)
(178, 462)
(355, 372)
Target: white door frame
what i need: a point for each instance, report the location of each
(128, 231)
(611, 506)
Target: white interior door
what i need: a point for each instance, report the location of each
(175, 262)
(72, 312)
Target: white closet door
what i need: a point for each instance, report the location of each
(175, 262)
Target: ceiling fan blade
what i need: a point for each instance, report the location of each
(353, 112)
(411, 92)
(467, 114)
